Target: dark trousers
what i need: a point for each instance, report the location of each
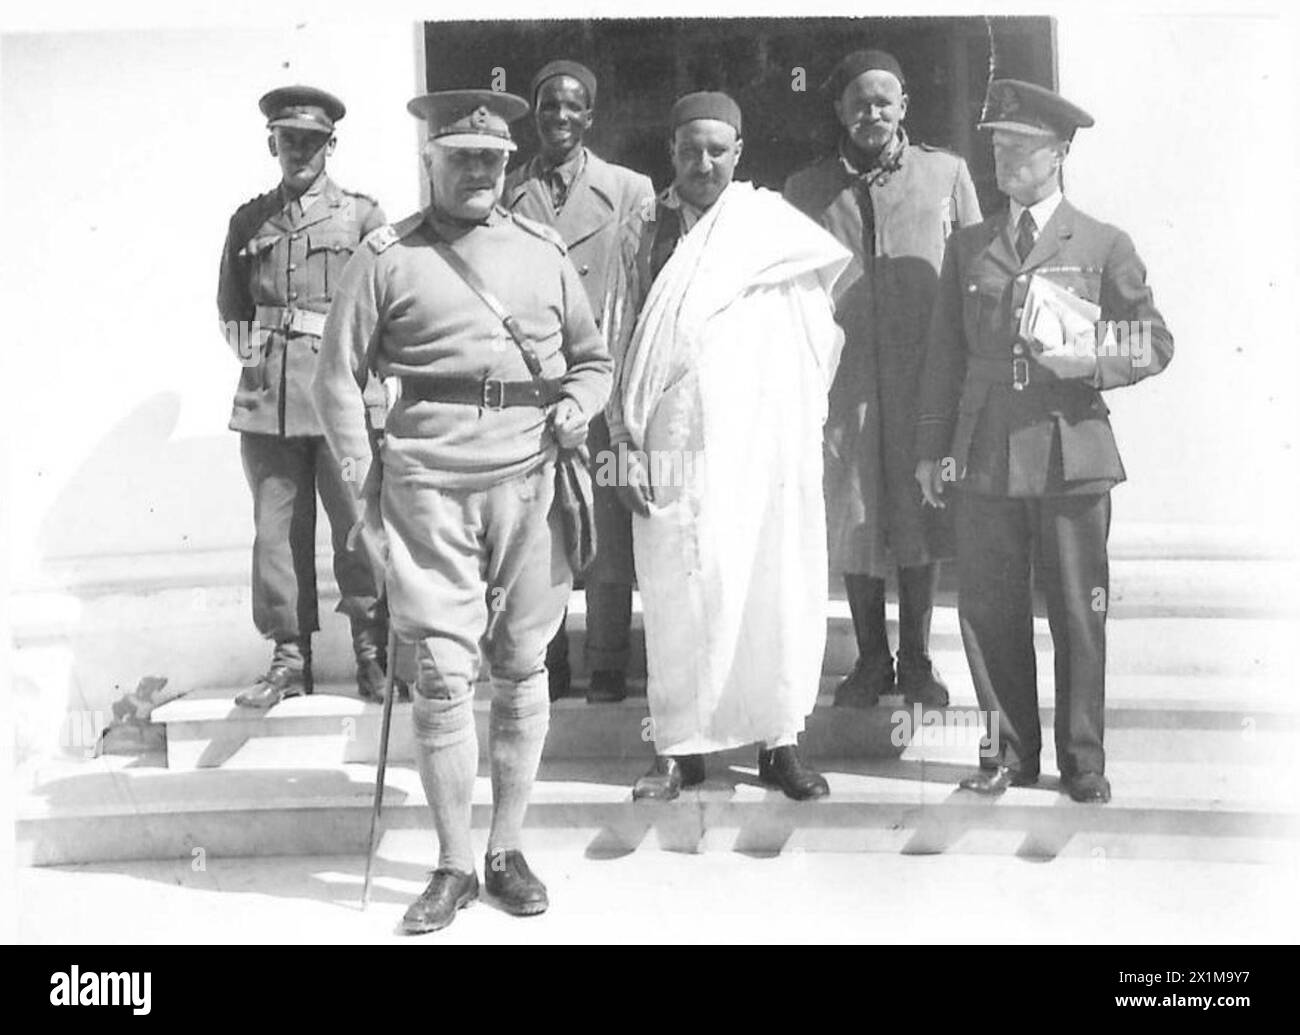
(284, 475)
(1063, 540)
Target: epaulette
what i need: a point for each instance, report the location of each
(936, 149)
(384, 237)
(358, 194)
(546, 233)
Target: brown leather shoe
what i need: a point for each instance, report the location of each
(862, 687)
(449, 891)
(606, 686)
(919, 683)
(997, 780)
(1088, 788)
(280, 682)
(667, 775)
(782, 767)
(509, 880)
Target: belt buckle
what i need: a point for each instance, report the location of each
(488, 404)
(1019, 374)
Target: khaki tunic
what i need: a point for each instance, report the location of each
(874, 512)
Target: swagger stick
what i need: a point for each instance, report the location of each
(383, 761)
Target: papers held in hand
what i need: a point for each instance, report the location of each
(1061, 329)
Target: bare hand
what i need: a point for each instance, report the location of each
(568, 424)
(637, 494)
(929, 475)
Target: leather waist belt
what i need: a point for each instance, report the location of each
(990, 370)
(488, 393)
(291, 320)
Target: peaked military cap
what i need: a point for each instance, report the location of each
(469, 118)
(853, 65)
(302, 107)
(706, 104)
(573, 70)
(1028, 108)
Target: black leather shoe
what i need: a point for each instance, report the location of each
(668, 774)
(862, 687)
(919, 683)
(782, 767)
(1089, 788)
(996, 781)
(509, 880)
(607, 685)
(280, 682)
(448, 892)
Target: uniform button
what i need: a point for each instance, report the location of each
(971, 288)
(292, 266)
(294, 237)
(583, 271)
(1017, 387)
(1021, 279)
(292, 295)
(1017, 350)
(1019, 310)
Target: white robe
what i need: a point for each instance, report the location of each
(727, 373)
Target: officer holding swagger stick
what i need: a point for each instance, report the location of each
(475, 550)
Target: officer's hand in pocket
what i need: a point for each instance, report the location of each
(568, 424)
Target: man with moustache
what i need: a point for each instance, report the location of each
(281, 264)
(725, 344)
(893, 204)
(1011, 413)
(587, 200)
(475, 553)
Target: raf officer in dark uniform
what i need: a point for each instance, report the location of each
(283, 258)
(475, 550)
(893, 204)
(586, 199)
(1011, 412)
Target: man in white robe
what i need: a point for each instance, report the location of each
(725, 345)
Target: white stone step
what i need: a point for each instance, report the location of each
(110, 810)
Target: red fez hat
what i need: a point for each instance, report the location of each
(573, 70)
(706, 104)
(853, 65)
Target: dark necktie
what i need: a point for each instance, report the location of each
(559, 190)
(1025, 235)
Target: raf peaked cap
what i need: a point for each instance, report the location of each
(302, 107)
(469, 118)
(573, 70)
(853, 65)
(706, 105)
(1027, 108)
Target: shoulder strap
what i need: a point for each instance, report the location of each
(466, 273)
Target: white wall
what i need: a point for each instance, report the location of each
(124, 155)
(1194, 155)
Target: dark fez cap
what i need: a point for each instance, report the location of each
(706, 104)
(853, 65)
(573, 70)
(469, 118)
(1027, 108)
(302, 107)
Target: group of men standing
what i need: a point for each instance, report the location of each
(429, 378)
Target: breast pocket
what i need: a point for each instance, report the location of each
(1084, 281)
(328, 252)
(981, 305)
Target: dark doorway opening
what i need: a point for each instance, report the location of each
(772, 66)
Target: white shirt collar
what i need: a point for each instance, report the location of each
(1042, 211)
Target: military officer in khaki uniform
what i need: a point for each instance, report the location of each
(283, 259)
(1011, 412)
(893, 204)
(586, 199)
(465, 478)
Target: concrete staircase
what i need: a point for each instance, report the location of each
(1202, 735)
